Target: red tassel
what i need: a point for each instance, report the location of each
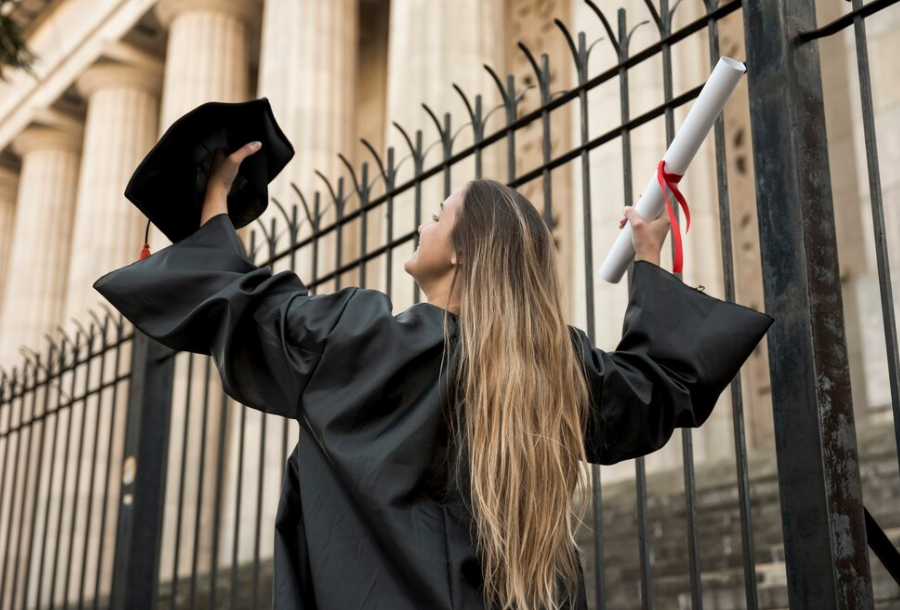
(145, 252)
(671, 180)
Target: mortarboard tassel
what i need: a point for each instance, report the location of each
(145, 251)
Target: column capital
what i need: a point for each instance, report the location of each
(115, 75)
(39, 137)
(243, 10)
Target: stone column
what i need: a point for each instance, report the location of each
(308, 72)
(206, 60)
(35, 290)
(121, 127)
(308, 68)
(9, 185)
(431, 46)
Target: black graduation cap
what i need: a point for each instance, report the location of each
(170, 183)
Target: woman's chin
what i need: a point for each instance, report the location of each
(410, 265)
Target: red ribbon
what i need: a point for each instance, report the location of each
(671, 180)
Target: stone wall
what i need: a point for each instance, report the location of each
(719, 525)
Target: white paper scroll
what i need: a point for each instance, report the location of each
(684, 146)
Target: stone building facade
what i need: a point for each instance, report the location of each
(114, 74)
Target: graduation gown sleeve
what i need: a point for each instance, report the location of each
(203, 295)
(680, 349)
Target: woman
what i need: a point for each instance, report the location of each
(440, 448)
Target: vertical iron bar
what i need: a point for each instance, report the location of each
(687, 439)
(876, 196)
(447, 146)
(389, 194)
(8, 440)
(109, 454)
(139, 533)
(217, 508)
(478, 126)
(40, 461)
(201, 472)
(30, 430)
(93, 464)
(317, 208)
(511, 134)
(339, 202)
(15, 479)
(546, 151)
(737, 400)
(640, 473)
(640, 486)
(78, 468)
(581, 62)
(815, 434)
(181, 480)
(237, 510)
(66, 459)
(363, 240)
(259, 497)
(417, 201)
(59, 394)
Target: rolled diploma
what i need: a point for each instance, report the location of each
(684, 146)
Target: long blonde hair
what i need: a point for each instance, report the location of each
(523, 401)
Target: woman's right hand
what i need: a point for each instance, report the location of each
(647, 236)
(222, 173)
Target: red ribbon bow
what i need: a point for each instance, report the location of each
(671, 180)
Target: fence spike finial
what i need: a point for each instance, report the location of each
(436, 121)
(284, 213)
(465, 100)
(606, 26)
(497, 81)
(653, 13)
(368, 146)
(573, 49)
(314, 222)
(412, 149)
(350, 169)
(530, 57)
(27, 353)
(324, 178)
(63, 332)
(633, 30)
(102, 325)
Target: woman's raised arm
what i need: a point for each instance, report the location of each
(680, 349)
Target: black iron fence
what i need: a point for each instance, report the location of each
(129, 480)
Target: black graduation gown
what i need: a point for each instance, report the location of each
(363, 523)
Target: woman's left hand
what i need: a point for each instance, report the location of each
(222, 173)
(647, 236)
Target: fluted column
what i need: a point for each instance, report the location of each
(206, 59)
(428, 53)
(431, 46)
(35, 291)
(308, 64)
(9, 185)
(120, 128)
(308, 72)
